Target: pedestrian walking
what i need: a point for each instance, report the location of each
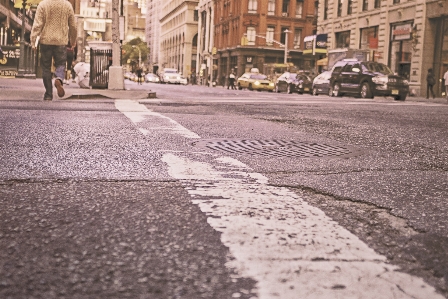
(445, 77)
(139, 75)
(430, 82)
(231, 80)
(55, 25)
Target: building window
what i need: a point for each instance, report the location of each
(297, 38)
(285, 8)
(377, 4)
(196, 15)
(325, 9)
(369, 38)
(252, 6)
(349, 7)
(270, 35)
(271, 7)
(340, 8)
(343, 39)
(365, 5)
(250, 36)
(395, 1)
(299, 8)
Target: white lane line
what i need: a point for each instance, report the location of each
(138, 113)
(293, 250)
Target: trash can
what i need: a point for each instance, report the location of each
(100, 60)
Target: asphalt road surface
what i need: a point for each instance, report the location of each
(215, 193)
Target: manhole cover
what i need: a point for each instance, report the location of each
(278, 148)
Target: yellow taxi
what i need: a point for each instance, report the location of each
(253, 80)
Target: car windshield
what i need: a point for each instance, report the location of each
(378, 68)
(258, 77)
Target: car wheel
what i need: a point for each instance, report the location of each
(365, 91)
(314, 91)
(336, 90)
(288, 89)
(400, 97)
(239, 86)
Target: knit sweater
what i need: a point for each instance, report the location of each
(54, 23)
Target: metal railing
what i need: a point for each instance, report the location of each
(100, 60)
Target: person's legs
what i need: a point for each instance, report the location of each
(427, 90)
(432, 91)
(60, 60)
(46, 55)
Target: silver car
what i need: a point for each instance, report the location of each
(321, 84)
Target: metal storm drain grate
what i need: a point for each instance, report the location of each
(278, 148)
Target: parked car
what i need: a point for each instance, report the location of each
(255, 81)
(367, 79)
(132, 77)
(153, 78)
(183, 80)
(169, 75)
(321, 84)
(293, 82)
(127, 75)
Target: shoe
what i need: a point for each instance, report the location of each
(48, 99)
(59, 87)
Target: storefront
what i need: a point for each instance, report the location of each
(400, 53)
(440, 64)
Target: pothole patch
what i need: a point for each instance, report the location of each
(278, 148)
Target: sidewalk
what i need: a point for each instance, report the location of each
(33, 89)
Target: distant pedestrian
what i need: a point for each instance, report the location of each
(445, 77)
(69, 62)
(55, 26)
(139, 75)
(430, 82)
(231, 80)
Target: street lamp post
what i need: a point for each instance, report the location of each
(286, 46)
(116, 77)
(139, 55)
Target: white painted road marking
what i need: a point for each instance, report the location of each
(138, 113)
(293, 250)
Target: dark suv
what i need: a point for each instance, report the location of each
(367, 79)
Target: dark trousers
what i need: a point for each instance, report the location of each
(231, 83)
(428, 89)
(59, 55)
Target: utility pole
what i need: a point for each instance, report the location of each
(116, 76)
